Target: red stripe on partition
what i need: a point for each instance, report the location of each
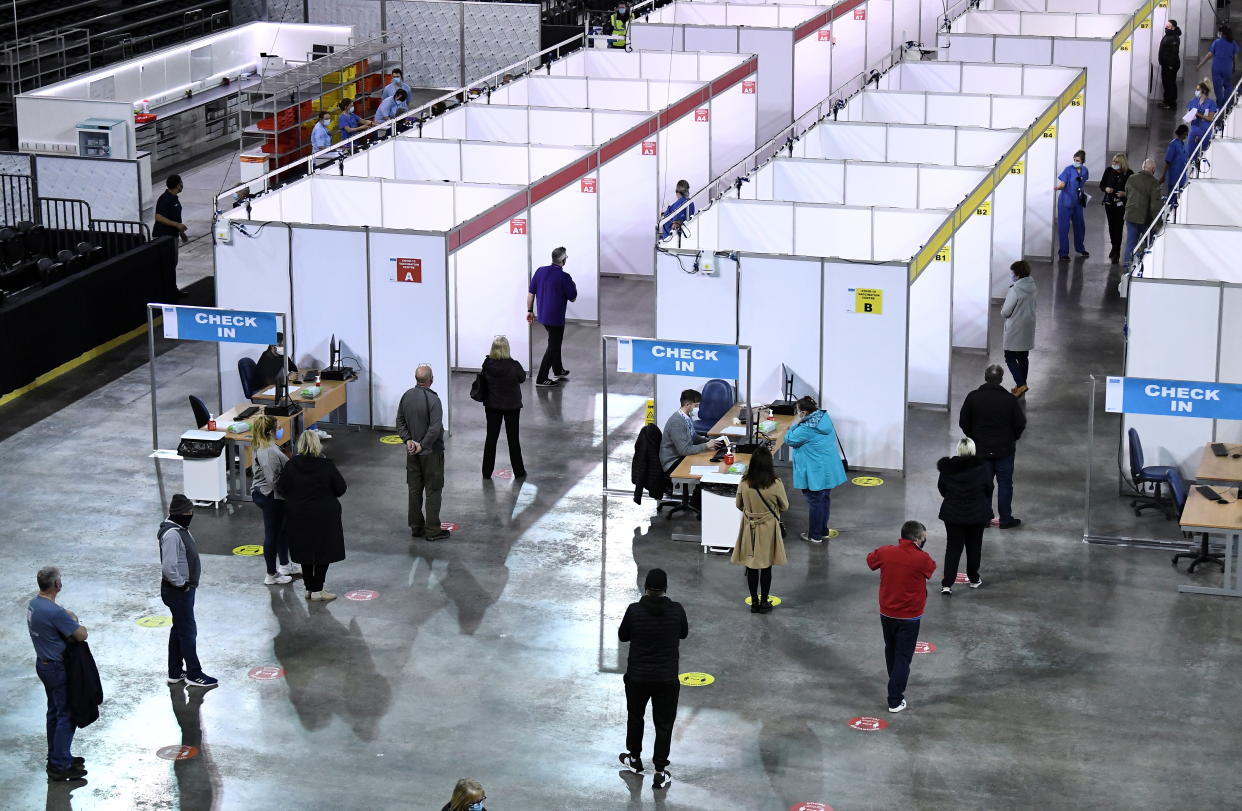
(629, 138)
(812, 25)
(563, 177)
(480, 225)
(734, 76)
(838, 11)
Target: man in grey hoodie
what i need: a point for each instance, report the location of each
(180, 570)
(1019, 314)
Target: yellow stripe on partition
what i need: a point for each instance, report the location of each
(1144, 11)
(69, 366)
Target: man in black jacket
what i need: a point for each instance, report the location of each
(993, 418)
(654, 626)
(1170, 58)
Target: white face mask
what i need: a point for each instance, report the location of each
(1077, 164)
(279, 350)
(1198, 94)
(1116, 167)
(694, 413)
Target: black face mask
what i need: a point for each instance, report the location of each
(182, 521)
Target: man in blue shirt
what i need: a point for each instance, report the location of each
(396, 84)
(1175, 158)
(391, 107)
(679, 211)
(1070, 202)
(348, 123)
(553, 288)
(50, 627)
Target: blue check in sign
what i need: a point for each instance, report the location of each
(212, 324)
(643, 356)
(1173, 398)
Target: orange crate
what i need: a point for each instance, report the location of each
(284, 119)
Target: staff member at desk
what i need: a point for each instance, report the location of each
(396, 84)
(391, 107)
(268, 367)
(348, 123)
(680, 439)
(321, 135)
(679, 210)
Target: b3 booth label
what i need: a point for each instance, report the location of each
(1173, 398)
(647, 357)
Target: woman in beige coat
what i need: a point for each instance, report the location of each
(761, 498)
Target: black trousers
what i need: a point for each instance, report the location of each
(958, 537)
(552, 355)
(313, 576)
(899, 639)
(759, 581)
(510, 418)
(1168, 76)
(1116, 227)
(663, 697)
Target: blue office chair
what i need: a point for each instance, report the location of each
(1203, 553)
(247, 369)
(201, 414)
(717, 399)
(1142, 475)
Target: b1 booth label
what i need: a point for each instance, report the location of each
(648, 357)
(1173, 398)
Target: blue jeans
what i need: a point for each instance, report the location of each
(899, 639)
(274, 541)
(1002, 469)
(1134, 230)
(820, 504)
(60, 728)
(1067, 216)
(183, 637)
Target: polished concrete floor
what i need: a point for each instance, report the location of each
(1077, 677)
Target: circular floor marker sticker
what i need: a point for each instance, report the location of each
(177, 752)
(810, 807)
(867, 481)
(924, 647)
(503, 474)
(154, 622)
(392, 439)
(696, 679)
(361, 595)
(772, 598)
(832, 533)
(266, 673)
(450, 526)
(866, 723)
(249, 550)
(961, 578)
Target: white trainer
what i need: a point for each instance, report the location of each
(291, 569)
(976, 584)
(899, 707)
(277, 579)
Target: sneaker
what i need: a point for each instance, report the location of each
(976, 583)
(545, 383)
(563, 373)
(899, 707)
(1063, 257)
(1010, 523)
(323, 597)
(176, 679)
(277, 579)
(292, 569)
(1084, 254)
(946, 590)
(65, 775)
(662, 779)
(201, 680)
(442, 535)
(631, 762)
(808, 538)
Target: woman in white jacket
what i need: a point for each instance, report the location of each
(1019, 314)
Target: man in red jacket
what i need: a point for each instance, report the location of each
(904, 572)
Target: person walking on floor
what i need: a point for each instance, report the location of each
(1019, 336)
(904, 571)
(180, 571)
(1176, 156)
(816, 463)
(1205, 110)
(420, 423)
(269, 461)
(312, 486)
(502, 402)
(1169, 56)
(1142, 205)
(552, 289)
(965, 485)
(760, 544)
(1113, 185)
(993, 418)
(654, 626)
(1071, 201)
(1224, 53)
(50, 627)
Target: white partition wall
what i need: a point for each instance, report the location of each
(1211, 201)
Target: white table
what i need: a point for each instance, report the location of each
(720, 516)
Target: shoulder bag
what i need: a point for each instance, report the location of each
(775, 514)
(478, 389)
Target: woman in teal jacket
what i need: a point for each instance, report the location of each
(817, 464)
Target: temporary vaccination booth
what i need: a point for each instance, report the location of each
(1116, 49)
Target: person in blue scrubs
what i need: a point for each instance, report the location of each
(1205, 113)
(679, 210)
(1175, 158)
(1071, 199)
(321, 135)
(349, 123)
(1223, 53)
(391, 107)
(396, 84)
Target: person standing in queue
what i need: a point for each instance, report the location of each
(1169, 56)
(503, 403)
(420, 423)
(1176, 156)
(312, 487)
(1019, 335)
(654, 626)
(180, 570)
(1142, 205)
(965, 486)
(552, 288)
(1205, 111)
(760, 545)
(1113, 185)
(993, 418)
(678, 211)
(816, 463)
(269, 463)
(1071, 201)
(904, 572)
(1223, 52)
(51, 627)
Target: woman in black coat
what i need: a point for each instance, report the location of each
(503, 403)
(966, 484)
(1113, 185)
(311, 485)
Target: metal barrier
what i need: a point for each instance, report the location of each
(16, 199)
(64, 214)
(118, 236)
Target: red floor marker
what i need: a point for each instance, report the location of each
(810, 807)
(266, 673)
(924, 647)
(177, 752)
(503, 474)
(362, 595)
(450, 526)
(867, 723)
(961, 578)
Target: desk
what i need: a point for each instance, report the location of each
(1207, 518)
(682, 471)
(317, 409)
(1224, 469)
(237, 449)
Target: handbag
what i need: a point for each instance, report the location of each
(478, 389)
(775, 514)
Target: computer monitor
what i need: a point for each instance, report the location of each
(787, 383)
(334, 353)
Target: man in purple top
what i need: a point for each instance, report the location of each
(553, 288)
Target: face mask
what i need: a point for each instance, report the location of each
(278, 350)
(622, 10)
(350, 110)
(182, 521)
(476, 806)
(1116, 167)
(694, 413)
(1198, 94)
(1077, 164)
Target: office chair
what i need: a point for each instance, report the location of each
(247, 369)
(670, 498)
(717, 399)
(201, 414)
(1142, 475)
(1203, 553)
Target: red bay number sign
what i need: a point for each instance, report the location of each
(824, 35)
(860, 14)
(649, 147)
(588, 185)
(517, 226)
(410, 270)
(701, 115)
(748, 87)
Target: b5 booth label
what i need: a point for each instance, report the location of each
(1173, 398)
(644, 356)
